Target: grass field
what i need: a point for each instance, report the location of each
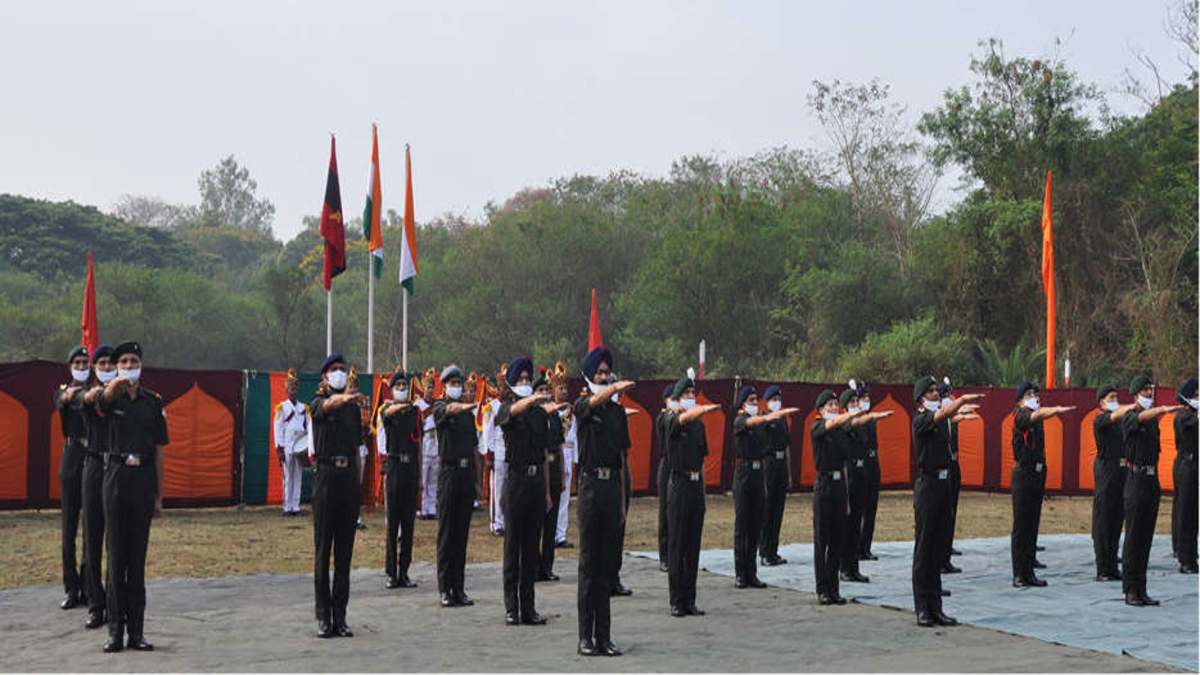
(225, 541)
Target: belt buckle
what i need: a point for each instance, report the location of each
(693, 476)
(464, 463)
(858, 463)
(83, 442)
(755, 464)
(943, 474)
(871, 454)
(779, 455)
(132, 460)
(1038, 467)
(603, 473)
(1124, 463)
(405, 459)
(1150, 470)
(531, 470)
(837, 475)
(341, 462)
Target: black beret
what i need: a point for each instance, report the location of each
(681, 386)
(101, 352)
(667, 393)
(332, 359)
(772, 391)
(127, 347)
(1186, 391)
(541, 380)
(1139, 383)
(1104, 390)
(825, 397)
(76, 353)
(450, 372)
(593, 360)
(923, 386)
(743, 394)
(398, 376)
(521, 363)
(863, 389)
(944, 389)
(1025, 386)
(844, 399)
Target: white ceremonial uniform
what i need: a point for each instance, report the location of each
(570, 459)
(292, 423)
(429, 462)
(492, 439)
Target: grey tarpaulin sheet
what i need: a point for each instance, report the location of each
(1073, 610)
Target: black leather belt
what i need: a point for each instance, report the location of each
(129, 458)
(832, 475)
(601, 473)
(751, 464)
(77, 440)
(337, 461)
(529, 471)
(462, 463)
(402, 458)
(1145, 469)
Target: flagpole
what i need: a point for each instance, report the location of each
(329, 321)
(404, 340)
(370, 312)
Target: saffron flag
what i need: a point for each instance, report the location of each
(594, 339)
(408, 243)
(91, 330)
(371, 214)
(1048, 280)
(332, 230)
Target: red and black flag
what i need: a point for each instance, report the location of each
(332, 229)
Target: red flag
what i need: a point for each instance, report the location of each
(594, 339)
(1048, 280)
(332, 229)
(91, 330)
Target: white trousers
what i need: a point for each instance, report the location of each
(494, 493)
(291, 483)
(429, 474)
(564, 503)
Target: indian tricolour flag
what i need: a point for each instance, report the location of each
(408, 243)
(371, 214)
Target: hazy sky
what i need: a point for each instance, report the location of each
(104, 99)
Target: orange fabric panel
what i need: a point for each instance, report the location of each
(56, 452)
(970, 451)
(808, 463)
(714, 433)
(1054, 452)
(197, 462)
(895, 442)
(274, 471)
(641, 433)
(14, 449)
(1087, 451)
(1166, 454)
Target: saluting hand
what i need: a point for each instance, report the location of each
(624, 385)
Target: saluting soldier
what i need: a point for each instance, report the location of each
(686, 447)
(93, 486)
(931, 496)
(1028, 479)
(399, 440)
(870, 436)
(553, 385)
(1108, 470)
(133, 488)
(458, 486)
(946, 393)
(1139, 430)
(68, 400)
(603, 435)
(1185, 480)
(778, 479)
(337, 493)
(856, 489)
(670, 405)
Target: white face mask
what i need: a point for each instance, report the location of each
(672, 405)
(1145, 401)
(828, 415)
(337, 379)
(596, 388)
(752, 410)
(864, 405)
(1195, 403)
(947, 401)
(775, 405)
(105, 376)
(1032, 403)
(399, 394)
(851, 408)
(932, 406)
(687, 403)
(1112, 406)
(453, 392)
(131, 374)
(80, 375)
(523, 390)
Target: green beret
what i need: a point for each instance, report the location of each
(923, 386)
(682, 386)
(77, 352)
(1139, 383)
(1104, 390)
(844, 399)
(825, 397)
(127, 347)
